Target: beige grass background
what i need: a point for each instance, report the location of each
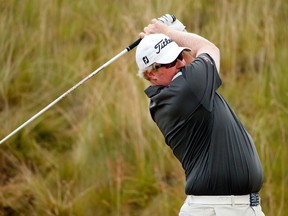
(97, 152)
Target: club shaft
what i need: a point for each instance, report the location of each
(70, 90)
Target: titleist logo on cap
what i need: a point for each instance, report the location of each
(161, 44)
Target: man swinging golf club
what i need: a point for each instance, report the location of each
(222, 167)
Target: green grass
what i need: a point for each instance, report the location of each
(97, 152)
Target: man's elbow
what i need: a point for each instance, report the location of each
(216, 57)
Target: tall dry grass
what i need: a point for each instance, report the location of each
(97, 152)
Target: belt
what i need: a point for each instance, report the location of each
(252, 199)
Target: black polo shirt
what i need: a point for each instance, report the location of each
(216, 152)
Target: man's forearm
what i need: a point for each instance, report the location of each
(196, 43)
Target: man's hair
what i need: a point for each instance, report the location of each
(141, 72)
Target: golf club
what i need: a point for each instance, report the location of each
(127, 49)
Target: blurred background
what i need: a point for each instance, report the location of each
(97, 152)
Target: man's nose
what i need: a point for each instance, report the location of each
(180, 63)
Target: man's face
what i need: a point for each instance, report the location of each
(164, 73)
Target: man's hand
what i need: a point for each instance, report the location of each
(162, 25)
(155, 26)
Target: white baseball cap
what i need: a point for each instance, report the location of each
(157, 48)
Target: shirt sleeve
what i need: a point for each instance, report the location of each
(203, 79)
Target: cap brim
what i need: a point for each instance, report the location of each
(172, 54)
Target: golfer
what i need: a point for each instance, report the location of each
(222, 167)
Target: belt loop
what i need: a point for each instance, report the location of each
(232, 200)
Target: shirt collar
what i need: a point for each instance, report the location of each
(177, 75)
(153, 90)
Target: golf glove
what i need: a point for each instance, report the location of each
(172, 21)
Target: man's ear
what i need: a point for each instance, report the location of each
(149, 75)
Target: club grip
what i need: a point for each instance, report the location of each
(133, 45)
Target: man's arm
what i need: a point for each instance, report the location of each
(196, 43)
